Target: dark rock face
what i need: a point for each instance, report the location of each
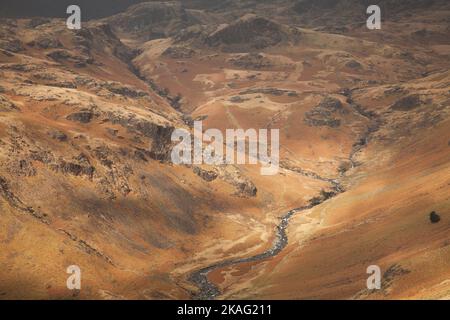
(434, 217)
(76, 169)
(102, 35)
(324, 113)
(161, 142)
(160, 147)
(6, 105)
(250, 33)
(407, 103)
(13, 45)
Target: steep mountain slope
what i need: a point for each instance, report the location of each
(78, 123)
(382, 218)
(150, 20)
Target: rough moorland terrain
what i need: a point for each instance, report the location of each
(86, 118)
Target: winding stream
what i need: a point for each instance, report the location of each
(209, 291)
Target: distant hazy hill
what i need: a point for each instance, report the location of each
(50, 8)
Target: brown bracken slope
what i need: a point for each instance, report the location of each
(85, 173)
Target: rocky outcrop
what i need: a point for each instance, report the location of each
(207, 175)
(323, 122)
(124, 90)
(87, 248)
(50, 79)
(46, 42)
(324, 196)
(21, 67)
(195, 34)
(179, 52)
(84, 116)
(62, 55)
(81, 167)
(251, 61)
(101, 37)
(244, 187)
(251, 33)
(160, 136)
(22, 167)
(77, 166)
(324, 114)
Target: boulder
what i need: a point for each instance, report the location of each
(434, 217)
